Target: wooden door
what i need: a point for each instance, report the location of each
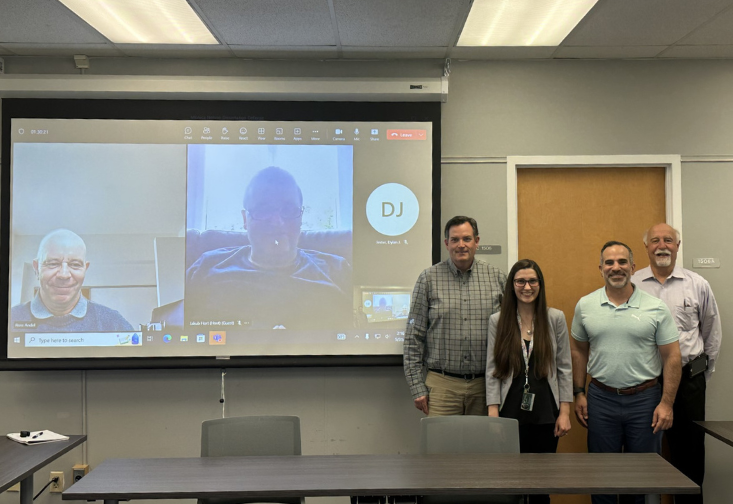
(565, 217)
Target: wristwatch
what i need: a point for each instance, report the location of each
(578, 390)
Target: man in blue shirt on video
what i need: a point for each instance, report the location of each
(60, 266)
(271, 283)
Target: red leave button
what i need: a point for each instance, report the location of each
(406, 134)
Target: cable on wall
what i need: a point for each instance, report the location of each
(222, 399)
(84, 446)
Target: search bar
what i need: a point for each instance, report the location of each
(53, 340)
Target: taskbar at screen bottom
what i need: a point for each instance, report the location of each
(178, 343)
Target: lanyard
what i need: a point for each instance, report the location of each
(526, 353)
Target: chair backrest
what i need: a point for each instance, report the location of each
(336, 242)
(469, 434)
(251, 435)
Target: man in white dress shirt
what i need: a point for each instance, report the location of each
(693, 306)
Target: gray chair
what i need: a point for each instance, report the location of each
(469, 434)
(251, 436)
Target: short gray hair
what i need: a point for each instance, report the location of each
(678, 235)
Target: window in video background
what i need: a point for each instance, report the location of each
(219, 174)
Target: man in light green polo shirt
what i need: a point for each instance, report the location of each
(624, 338)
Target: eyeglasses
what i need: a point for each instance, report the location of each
(521, 282)
(285, 213)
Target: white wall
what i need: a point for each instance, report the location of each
(495, 109)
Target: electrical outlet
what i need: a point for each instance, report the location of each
(57, 487)
(79, 471)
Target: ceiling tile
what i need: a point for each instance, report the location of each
(502, 53)
(354, 52)
(43, 22)
(93, 50)
(699, 52)
(719, 31)
(174, 51)
(380, 30)
(390, 23)
(648, 22)
(282, 52)
(609, 52)
(270, 22)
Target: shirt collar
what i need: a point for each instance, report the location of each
(645, 273)
(454, 269)
(39, 310)
(677, 272)
(648, 274)
(633, 301)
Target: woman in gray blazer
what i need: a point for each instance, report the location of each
(528, 371)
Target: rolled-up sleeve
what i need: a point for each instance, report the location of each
(711, 329)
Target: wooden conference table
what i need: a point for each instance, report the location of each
(722, 430)
(18, 462)
(392, 475)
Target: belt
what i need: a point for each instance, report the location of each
(628, 390)
(470, 376)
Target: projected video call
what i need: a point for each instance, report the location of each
(196, 238)
(276, 280)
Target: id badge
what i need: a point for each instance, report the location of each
(527, 401)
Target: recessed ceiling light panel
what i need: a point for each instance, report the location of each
(143, 21)
(522, 22)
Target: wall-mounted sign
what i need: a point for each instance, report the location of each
(489, 249)
(706, 262)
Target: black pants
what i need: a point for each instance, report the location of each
(687, 440)
(538, 439)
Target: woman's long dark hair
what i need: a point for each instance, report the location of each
(508, 344)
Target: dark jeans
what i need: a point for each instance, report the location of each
(619, 423)
(687, 440)
(538, 439)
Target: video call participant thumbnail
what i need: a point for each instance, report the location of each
(60, 266)
(271, 283)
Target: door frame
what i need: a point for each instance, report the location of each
(672, 164)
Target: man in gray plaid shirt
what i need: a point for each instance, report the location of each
(448, 325)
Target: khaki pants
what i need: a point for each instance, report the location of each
(455, 396)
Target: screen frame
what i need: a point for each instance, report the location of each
(32, 108)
